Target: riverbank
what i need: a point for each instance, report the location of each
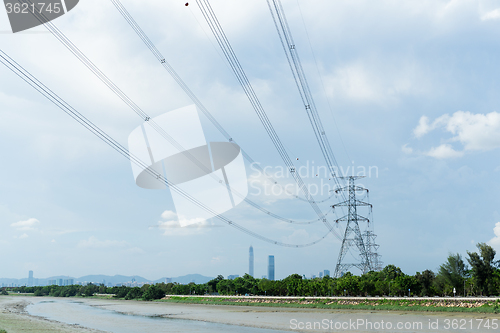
(14, 319)
(435, 304)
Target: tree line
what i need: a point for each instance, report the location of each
(480, 276)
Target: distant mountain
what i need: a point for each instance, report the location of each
(113, 279)
(196, 278)
(117, 279)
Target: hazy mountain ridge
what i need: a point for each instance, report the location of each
(116, 279)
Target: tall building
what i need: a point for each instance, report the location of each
(68, 282)
(270, 268)
(30, 279)
(250, 262)
(326, 272)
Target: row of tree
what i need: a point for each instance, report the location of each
(482, 277)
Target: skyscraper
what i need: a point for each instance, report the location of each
(30, 279)
(250, 262)
(270, 268)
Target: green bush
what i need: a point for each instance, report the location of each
(153, 292)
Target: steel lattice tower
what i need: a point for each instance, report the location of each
(364, 243)
(372, 248)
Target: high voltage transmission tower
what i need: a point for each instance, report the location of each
(364, 243)
(372, 248)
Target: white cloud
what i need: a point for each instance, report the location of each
(444, 151)
(26, 225)
(23, 236)
(495, 241)
(172, 225)
(95, 243)
(476, 132)
(493, 15)
(407, 150)
(423, 127)
(168, 215)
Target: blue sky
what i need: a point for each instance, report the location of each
(412, 86)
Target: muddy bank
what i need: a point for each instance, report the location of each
(276, 318)
(14, 318)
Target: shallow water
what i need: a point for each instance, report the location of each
(75, 312)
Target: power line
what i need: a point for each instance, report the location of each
(61, 37)
(228, 51)
(365, 243)
(26, 76)
(293, 59)
(159, 56)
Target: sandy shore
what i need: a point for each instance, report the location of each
(13, 317)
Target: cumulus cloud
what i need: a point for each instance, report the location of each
(29, 224)
(476, 132)
(444, 151)
(495, 241)
(423, 127)
(493, 15)
(95, 243)
(168, 215)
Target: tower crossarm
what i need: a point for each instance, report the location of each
(356, 217)
(347, 203)
(355, 188)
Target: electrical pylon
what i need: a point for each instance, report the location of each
(372, 248)
(364, 243)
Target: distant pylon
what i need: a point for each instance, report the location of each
(372, 249)
(353, 238)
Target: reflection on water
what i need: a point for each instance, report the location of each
(74, 312)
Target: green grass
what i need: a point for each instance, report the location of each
(3, 331)
(380, 305)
